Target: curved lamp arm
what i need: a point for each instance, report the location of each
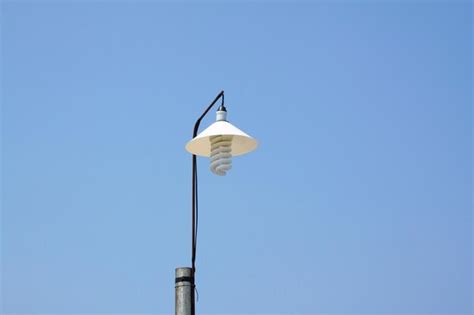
(195, 187)
(198, 122)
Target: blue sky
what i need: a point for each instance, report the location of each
(358, 199)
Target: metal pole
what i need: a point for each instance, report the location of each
(184, 291)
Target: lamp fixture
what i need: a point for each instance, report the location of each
(220, 141)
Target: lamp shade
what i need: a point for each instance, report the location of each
(241, 142)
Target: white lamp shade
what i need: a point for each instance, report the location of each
(241, 142)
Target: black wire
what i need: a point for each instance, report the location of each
(194, 228)
(195, 214)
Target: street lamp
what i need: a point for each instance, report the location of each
(220, 141)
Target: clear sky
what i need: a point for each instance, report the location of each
(358, 199)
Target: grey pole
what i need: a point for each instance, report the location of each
(184, 290)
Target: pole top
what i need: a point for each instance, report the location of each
(183, 272)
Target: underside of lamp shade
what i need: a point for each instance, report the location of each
(241, 142)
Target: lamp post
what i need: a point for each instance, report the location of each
(220, 141)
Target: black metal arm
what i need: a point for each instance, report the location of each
(198, 122)
(194, 182)
(195, 211)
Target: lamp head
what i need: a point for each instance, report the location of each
(221, 141)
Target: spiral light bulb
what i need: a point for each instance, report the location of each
(221, 154)
(221, 148)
